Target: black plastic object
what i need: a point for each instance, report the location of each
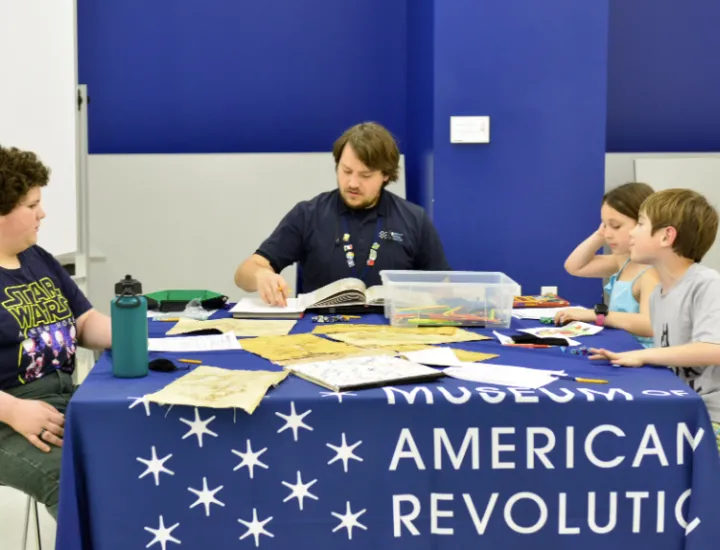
(128, 287)
(177, 300)
(164, 365)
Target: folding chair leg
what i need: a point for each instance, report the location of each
(27, 523)
(37, 525)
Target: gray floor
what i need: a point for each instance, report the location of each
(12, 516)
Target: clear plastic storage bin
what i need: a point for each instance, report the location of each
(448, 298)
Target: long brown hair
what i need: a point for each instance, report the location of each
(628, 197)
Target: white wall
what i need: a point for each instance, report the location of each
(699, 174)
(38, 113)
(697, 171)
(620, 167)
(38, 104)
(188, 221)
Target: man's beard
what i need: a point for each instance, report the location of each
(364, 205)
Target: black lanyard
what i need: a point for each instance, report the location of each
(350, 254)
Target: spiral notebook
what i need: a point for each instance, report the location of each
(353, 373)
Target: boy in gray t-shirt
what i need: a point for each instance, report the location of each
(675, 230)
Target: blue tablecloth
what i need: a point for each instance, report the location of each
(445, 465)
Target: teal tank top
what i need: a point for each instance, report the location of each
(623, 301)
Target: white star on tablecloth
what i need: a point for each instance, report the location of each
(344, 452)
(163, 534)
(256, 528)
(300, 490)
(155, 466)
(198, 427)
(338, 394)
(206, 497)
(143, 400)
(349, 520)
(249, 459)
(294, 421)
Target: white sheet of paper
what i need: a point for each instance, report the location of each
(256, 305)
(536, 313)
(576, 329)
(518, 370)
(213, 342)
(158, 315)
(503, 338)
(437, 356)
(502, 375)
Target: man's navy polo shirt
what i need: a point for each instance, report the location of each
(312, 234)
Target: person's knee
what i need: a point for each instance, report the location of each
(50, 487)
(52, 497)
(43, 481)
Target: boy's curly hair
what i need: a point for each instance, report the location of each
(20, 171)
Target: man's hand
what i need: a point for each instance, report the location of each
(38, 422)
(623, 359)
(570, 314)
(272, 288)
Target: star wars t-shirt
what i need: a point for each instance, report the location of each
(39, 303)
(690, 312)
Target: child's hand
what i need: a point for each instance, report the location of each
(601, 231)
(623, 359)
(571, 314)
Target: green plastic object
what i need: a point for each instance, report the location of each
(176, 300)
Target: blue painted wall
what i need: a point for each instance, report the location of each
(194, 76)
(521, 203)
(664, 75)
(420, 94)
(245, 76)
(280, 75)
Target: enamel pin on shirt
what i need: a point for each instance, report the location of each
(373, 254)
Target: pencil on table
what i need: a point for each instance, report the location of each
(191, 361)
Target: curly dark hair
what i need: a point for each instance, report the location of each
(20, 171)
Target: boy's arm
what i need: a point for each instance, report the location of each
(703, 351)
(695, 354)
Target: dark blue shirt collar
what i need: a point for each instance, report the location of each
(379, 209)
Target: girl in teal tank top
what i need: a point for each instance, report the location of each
(622, 299)
(627, 310)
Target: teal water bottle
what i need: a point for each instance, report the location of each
(128, 311)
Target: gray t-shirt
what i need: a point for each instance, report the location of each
(690, 312)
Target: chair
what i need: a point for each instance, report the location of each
(31, 504)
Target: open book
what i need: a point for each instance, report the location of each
(344, 292)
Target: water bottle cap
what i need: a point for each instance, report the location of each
(128, 287)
